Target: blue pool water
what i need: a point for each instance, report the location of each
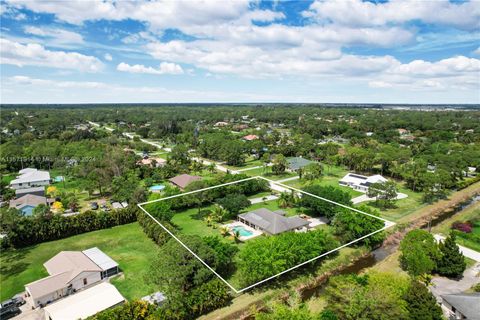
(157, 187)
(243, 232)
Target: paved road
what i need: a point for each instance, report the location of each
(288, 179)
(262, 199)
(467, 252)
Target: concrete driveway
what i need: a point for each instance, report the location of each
(442, 285)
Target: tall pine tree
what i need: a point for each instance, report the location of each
(452, 262)
(421, 304)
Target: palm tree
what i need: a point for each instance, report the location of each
(218, 213)
(224, 231)
(208, 219)
(212, 168)
(283, 200)
(236, 236)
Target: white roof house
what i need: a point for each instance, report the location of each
(86, 303)
(360, 182)
(29, 178)
(70, 271)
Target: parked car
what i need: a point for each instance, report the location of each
(9, 309)
(94, 205)
(18, 299)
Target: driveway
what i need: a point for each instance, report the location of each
(262, 199)
(467, 252)
(364, 198)
(442, 285)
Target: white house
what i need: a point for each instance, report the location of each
(85, 303)
(70, 271)
(359, 182)
(29, 178)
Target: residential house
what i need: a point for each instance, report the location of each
(461, 305)
(184, 180)
(70, 271)
(29, 178)
(38, 191)
(296, 163)
(27, 203)
(250, 137)
(402, 131)
(159, 162)
(272, 222)
(360, 182)
(221, 124)
(86, 303)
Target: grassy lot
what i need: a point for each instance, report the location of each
(462, 239)
(403, 207)
(268, 174)
(249, 163)
(126, 244)
(6, 178)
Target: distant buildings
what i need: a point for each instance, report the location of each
(27, 203)
(250, 137)
(29, 178)
(360, 182)
(184, 180)
(70, 271)
(296, 163)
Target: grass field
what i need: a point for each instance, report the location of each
(463, 239)
(126, 244)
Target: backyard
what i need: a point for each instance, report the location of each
(126, 244)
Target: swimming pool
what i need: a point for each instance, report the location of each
(242, 231)
(158, 187)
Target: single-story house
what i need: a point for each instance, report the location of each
(30, 177)
(184, 180)
(221, 124)
(85, 303)
(70, 271)
(250, 137)
(360, 182)
(296, 163)
(403, 131)
(272, 222)
(38, 191)
(27, 203)
(462, 305)
(159, 162)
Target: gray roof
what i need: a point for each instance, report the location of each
(100, 258)
(467, 304)
(273, 222)
(295, 163)
(31, 175)
(30, 190)
(184, 180)
(27, 200)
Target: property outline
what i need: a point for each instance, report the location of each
(387, 225)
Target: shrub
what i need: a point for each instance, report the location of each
(465, 227)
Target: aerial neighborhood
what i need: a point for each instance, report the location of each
(247, 159)
(259, 199)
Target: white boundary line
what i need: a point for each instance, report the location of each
(388, 225)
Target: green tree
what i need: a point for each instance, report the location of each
(282, 312)
(421, 304)
(385, 193)
(312, 171)
(234, 203)
(161, 210)
(322, 207)
(452, 262)
(279, 164)
(419, 252)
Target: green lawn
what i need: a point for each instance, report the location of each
(126, 244)
(249, 163)
(462, 239)
(268, 174)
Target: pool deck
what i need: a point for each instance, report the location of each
(255, 233)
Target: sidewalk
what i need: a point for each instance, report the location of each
(467, 252)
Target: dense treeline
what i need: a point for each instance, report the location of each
(25, 231)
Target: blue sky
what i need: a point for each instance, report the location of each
(240, 51)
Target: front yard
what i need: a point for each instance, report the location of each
(126, 244)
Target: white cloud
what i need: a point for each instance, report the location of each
(59, 36)
(164, 68)
(108, 57)
(363, 13)
(37, 55)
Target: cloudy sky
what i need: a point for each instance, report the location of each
(81, 51)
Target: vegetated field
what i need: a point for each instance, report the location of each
(469, 240)
(403, 207)
(249, 163)
(267, 173)
(126, 244)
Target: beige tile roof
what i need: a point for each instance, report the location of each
(70, 261)
(49, 284)
(184, 180)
